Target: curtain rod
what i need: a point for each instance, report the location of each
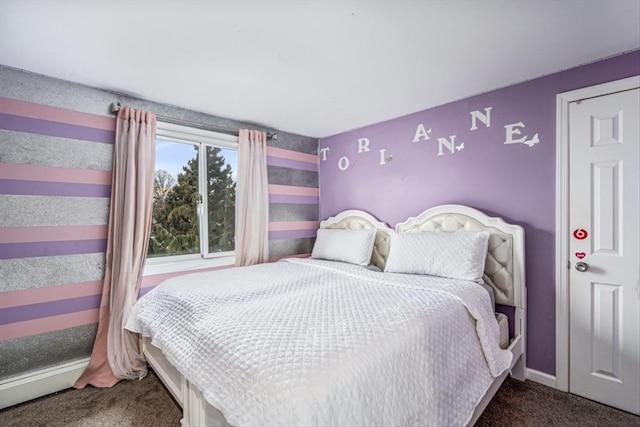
(114, 108)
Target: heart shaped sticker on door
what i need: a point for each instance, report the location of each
(580, 255)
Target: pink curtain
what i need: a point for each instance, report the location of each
(116, 354)
(252, 207)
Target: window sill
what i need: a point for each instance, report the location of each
(158, 266)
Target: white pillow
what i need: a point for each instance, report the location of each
(458, 255)
(352, 246)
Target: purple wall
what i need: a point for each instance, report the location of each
(513, 181)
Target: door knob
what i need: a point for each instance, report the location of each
(582, 266)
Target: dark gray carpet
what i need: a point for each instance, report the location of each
(128, 403)
(532, 404)
(148, 403)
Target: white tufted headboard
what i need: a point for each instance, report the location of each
(504, 268)
(357, 220)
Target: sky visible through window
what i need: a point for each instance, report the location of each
(172, 156)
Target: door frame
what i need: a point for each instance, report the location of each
(562, 214)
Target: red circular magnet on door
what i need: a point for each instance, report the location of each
(580, 234)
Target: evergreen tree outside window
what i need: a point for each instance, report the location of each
(194, 193)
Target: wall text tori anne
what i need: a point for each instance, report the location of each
(446, 145)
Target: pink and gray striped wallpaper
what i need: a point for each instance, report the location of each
(54, 214)
(55, 184)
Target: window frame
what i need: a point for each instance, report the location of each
(200, 138)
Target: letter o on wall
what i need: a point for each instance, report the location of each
(343, 163)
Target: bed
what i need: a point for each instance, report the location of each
(325, 342)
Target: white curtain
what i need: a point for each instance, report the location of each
(252, 207)
(115, 353)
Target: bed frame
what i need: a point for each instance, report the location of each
(504, 271)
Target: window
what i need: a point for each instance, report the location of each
(194, 194)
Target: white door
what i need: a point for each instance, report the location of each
(604, 212)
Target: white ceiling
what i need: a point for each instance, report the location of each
(315, 68)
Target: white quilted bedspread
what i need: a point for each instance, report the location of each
(309, 342)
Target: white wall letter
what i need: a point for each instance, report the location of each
(512, 130)
(451, 145)
(343, 163)
(363, 145)
(484, 118)
(323, 152)
(421, 132)
(384, 159)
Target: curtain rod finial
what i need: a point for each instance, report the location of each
(273, 136)
(114, 108)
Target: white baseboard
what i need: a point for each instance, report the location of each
(40, 383)
(541, 378)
